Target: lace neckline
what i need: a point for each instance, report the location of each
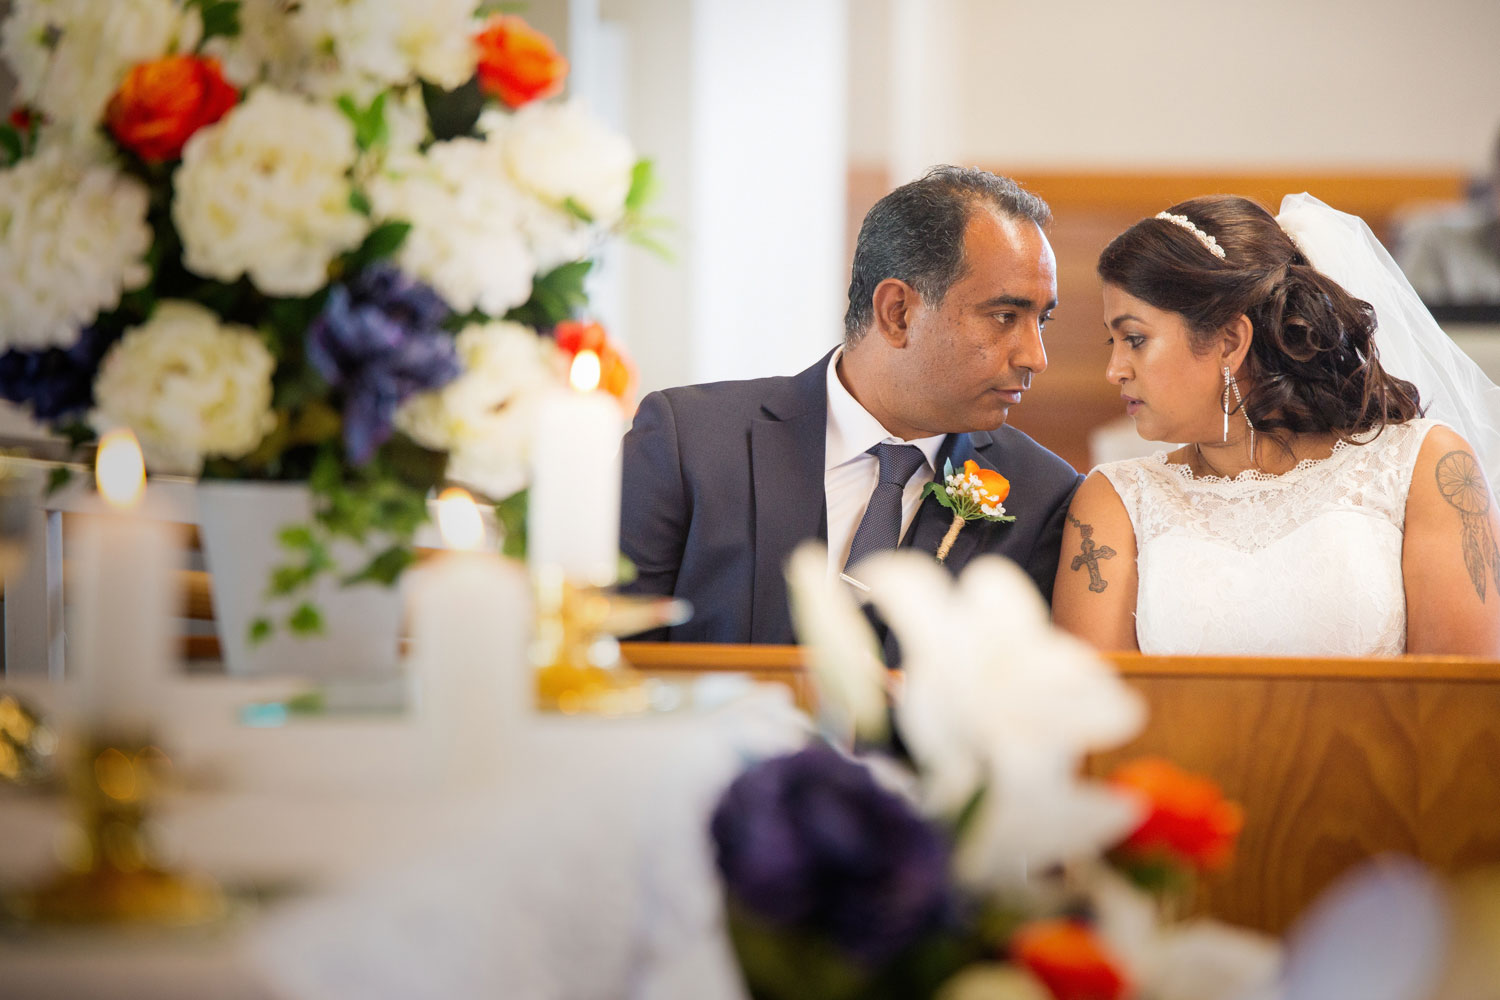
(1251, 475)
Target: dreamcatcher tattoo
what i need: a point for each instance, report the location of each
(1462, 485)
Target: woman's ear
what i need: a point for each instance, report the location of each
(1235, 345)
(893, 300)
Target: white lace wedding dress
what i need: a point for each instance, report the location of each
(1303, 564)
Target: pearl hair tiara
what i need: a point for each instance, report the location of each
(1202, 237)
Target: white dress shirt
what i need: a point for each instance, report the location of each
(850, 475)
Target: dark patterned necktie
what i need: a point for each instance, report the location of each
(880, 528)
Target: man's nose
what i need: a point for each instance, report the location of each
(1032, 353)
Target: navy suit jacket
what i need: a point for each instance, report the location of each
(723, 481)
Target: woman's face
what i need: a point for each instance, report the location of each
(1172, 393)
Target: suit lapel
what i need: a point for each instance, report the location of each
(933, 519)
(786, 463)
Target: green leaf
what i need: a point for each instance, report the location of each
(306, 620)
(577, 211)
(360, 202)
(59, 477)
(650, 243)
(511, 514)
(940, 491)
(385, 568)
(970, 812)
(286, 579)
(259, 631)
(643, 185)
(296, 537)
(11, 145)
(453, 113)
(555, 296)
(384, 240)
(220, 18)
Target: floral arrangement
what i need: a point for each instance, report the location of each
(976, 494)
(339, 241)
(937, 840)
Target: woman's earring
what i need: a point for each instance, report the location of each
(1224, 404)
(1230, 382)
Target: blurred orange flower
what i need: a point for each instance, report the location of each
(162, 103)
(1070, 961)
(989, 480)
(1187, 820)
(517, 63)
(617, 375)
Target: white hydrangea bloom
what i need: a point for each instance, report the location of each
(355, 47)
(466, 239)
(265, 192)
(189, 386)
(484, 418)
(560, 152)
(69, 56)
(73, 237)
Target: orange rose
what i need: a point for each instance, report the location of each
(1188, 819)
(517, 63)
(162, 103)
(616, 373)
(990, 481)
(1069, 960)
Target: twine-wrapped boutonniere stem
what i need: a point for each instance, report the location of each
(976, 494)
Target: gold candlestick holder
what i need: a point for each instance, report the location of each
(112, 872)
(576, 652)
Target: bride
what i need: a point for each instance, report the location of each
(1314, 510)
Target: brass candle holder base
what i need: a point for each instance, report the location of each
(112, 873)
(576, 655)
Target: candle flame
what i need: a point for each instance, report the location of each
(586, 370)
(458, 520)
(119, 469)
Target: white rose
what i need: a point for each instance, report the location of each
(69, 56)
(73, 237)
(466, 239)
(265, 192)
(189, 386)
(485, 417)
(559, 152)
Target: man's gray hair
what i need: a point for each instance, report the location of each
(916, 234)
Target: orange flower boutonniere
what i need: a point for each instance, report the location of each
(976, 494)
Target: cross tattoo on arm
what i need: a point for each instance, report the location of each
(1090, 555)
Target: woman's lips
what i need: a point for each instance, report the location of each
(1131, 404)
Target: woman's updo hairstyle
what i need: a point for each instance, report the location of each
(1313, 366)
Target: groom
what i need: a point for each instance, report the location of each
(952, 281)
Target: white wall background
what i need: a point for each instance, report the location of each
(1338, 84)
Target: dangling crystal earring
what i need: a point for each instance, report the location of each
(1230, 382)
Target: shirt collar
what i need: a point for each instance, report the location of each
(852, 430)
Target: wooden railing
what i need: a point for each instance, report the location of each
(1334, 761)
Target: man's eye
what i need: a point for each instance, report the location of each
(1046, 318)
(1005, 317)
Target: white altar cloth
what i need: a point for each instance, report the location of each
(586, 871)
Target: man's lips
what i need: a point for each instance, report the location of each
(1011, 396)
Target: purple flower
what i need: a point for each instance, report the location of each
(809, 841)
(379, 339)
(55, 382)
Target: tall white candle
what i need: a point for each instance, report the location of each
(470, 615)
(573, 519)
(124, 591)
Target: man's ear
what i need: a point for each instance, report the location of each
(893, 301)
(1235, 345)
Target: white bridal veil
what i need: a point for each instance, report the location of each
(1412, 346)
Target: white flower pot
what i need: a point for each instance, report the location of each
(239, 522)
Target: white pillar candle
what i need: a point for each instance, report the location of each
(470, 615)
(573, 518)
(124, 594)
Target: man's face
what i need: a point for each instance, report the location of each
(968, 359)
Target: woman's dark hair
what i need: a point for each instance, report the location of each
(1313, 365)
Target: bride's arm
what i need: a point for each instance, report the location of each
(1094, 596)
(1450, 557)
